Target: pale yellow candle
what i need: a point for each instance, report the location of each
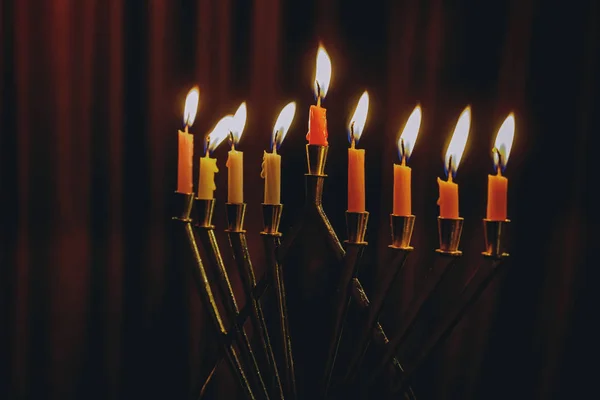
(186, 144)
(271, 173)
(206, 180)
(235, 159)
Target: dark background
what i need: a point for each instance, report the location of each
(92, 97)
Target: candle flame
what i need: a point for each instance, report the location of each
(504, 141)
(238, 123)
(458, 142)
(219, 133)
(282, 125)
(191, 106)
(322, 73)
(359, 119)
(409, 134)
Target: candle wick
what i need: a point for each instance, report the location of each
(403, 160)
(450, 168)
(275, 142)
(403, 151)
(352, 138)
(231, 140)
(207, 146)
(499, 155)
(318, 94)
(186, 128)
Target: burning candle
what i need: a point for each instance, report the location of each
(402, 172)
(498, 184)
(448, 200)
(317, 123)
(271, 165)
(208, 165)
(186, 144)
(356, 157)
(235, 160)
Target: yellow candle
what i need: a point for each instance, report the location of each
(186, 144)
(271, 173)
(356, 179)
(402, 190)
(448, 200)
(356, 157)
(206, 180)
(498, 184)
(235, 177)
(402, 173)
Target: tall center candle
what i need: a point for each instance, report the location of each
(235, 159)
(402, 172)
(448, 200)
(356, 157)
(186, 144)
(317, 122)
(271, 166)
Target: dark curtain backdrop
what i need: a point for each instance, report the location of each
(92, 97)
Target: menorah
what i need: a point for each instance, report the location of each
(267, 368)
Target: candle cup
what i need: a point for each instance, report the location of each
(235, 217)
(204, 211)
(271, 219)
(356, 226)
(316, 158)
(495, 233)
(402, 229)
(449, 231)
(182, 206)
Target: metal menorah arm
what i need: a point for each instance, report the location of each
(205, 231)
(183, 222)
(241, 255)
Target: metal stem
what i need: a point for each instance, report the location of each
(437, 273)
(470, 293)
(239, 245)
(271, 242)
(209, 241)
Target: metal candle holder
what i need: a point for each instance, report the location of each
(495, 242)
(241, 254)
(272, 240)
(206, 233)
(449, 232)
(402, 229)
(184, 207)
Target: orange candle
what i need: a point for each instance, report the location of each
(498, 184)
(448, 200)
(356, 157)
(402, 173)
(317, 125)
(402, 190)
(186, 144)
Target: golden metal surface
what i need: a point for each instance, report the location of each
(495, 233)
(356, 226)
(235, 217)
(272, 218)
(402, 230)
(449, 231)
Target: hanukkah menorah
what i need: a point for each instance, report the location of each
(314, 288)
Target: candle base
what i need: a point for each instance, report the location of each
(449, 231)
(495, 233)
(271, 219)
(356, 226)
(235, 217)
(402, 229)
(316, 157)
(183, 204)
(204, 211)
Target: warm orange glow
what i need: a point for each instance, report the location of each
(191, 106)
(219, 132)
(458, 142)
(282, 125)
(359, 119)
(408, 138)
(238, 123)
(322, 73)
(504, 141)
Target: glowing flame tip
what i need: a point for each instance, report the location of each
(219, 133)
(282, 125)
(239, 122)
(322, 73)
(408, 138)
(504, 140)
(458, 142)
(359, 118)
(191, 106)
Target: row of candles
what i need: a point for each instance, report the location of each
(232, 126)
